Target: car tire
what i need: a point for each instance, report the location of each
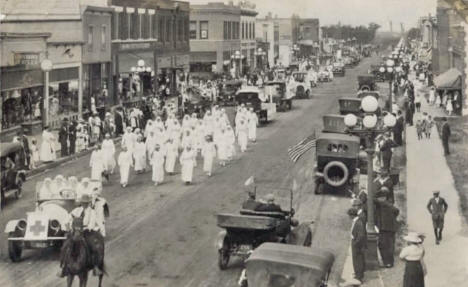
(307, 93)
(15, 249)
(223, 259)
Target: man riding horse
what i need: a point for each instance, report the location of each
(84, 228)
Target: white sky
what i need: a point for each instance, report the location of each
(354, 12)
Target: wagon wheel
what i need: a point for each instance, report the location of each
(14, 249)
(19, 191)
(223, 256)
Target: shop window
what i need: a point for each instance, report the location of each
(193, 30)
(115, 23)
(203, 29)
(225, 35)
(145, 26)
(180, 29)
(63, 98)
(253, 30)
(123, 26)
(186, 27)
(135, 25)
(90, 38)
(154, 28)
(21, 106)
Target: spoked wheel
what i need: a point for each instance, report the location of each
(223, 259)
(15, 249)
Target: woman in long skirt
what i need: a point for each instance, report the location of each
(108, 150)
(187, 162)
(140, 156)
(157, 161)
(413, 255)
(97, 164)
(125, 161)
(172, 152)
(209, 153)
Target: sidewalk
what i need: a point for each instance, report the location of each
(427, 169)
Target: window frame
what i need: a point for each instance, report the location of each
(194, 23)
(90, 38)
(103, 37)
(201, 30)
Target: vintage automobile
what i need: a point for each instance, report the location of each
(48, 224)
(262, 104)
(323, 76)
(366, 83)
(375, 71)
(338, 70)
(228, 92)
(273, 264)
(245, 231)
(302, 85)
(350, 106)
(12, 171)
(337, 158)
(281, 96)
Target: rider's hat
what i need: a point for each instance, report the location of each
(85, 198)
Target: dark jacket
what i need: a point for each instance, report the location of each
(272, 207)
(118, 119)
(63, 134)
(437, 210)
(359, 233)
(446, 132)
(250, 204)
(72, 132)
(386, 148)
(386, 215)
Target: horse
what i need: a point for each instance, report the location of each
(77, 256)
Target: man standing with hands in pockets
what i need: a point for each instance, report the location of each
(437, 207)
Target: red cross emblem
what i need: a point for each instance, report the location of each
(37, 228)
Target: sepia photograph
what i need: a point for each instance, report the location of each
(234, 143)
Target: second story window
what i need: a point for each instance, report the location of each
(203, 29)
(103, 36)
(161, 29)
(90, 38)
(225, 35)
(193, 30)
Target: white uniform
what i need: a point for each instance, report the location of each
(97, 163)
(139, 154)
(252, 125)
(187, 160)
(128, 141)
(47, 152)
(99, 216)
(242, 131)
(172, 152)
(108, 150)
(157, 161)
(125, 161)
(209, 153)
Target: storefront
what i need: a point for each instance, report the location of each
(170, 71)
(96, 88)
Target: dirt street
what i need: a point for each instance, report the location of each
(165, 236)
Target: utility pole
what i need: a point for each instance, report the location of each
(391, 27)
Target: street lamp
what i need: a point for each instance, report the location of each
(390, 70)
(142, 70)
(369, 129)
(236, 57)
(46, 67)
(260, 54)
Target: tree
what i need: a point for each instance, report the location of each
(414, 33)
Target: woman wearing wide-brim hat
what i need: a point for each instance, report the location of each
(413, 255)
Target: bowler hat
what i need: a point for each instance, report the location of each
(436, 192)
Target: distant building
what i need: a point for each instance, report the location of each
(267, 36)
(248, 42)
(307, 36)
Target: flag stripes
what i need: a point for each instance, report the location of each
(296, 151)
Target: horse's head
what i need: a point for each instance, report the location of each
(77, 228)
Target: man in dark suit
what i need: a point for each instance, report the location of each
(251, 203)
(26, 151)
(119, 122)
(386, 215)
(384, 181)
(358, 244)
(386, 152)
(437, 208)
(398, 129)
(72, 136)
(446, 132)
(63, 137)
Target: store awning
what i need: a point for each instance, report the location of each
(129, 60)
(449, 80)
(203, 57)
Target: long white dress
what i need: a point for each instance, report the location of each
(128, 141)
(125, 161)
(139, 154)
(231, 141)
(187, 161)
(253, 122)
(223, 147)
(209, 153)
(242, 131)
(108, 151)
(172, 152)
(47, 152)
(97, 163)
(157, 162)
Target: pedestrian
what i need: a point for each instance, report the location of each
(252, 125)
(230, 141)
(446, 133)
(47, 152)
(419, 128)
(108, 150)
(409, 113)
(208, 153)
(72, 137)
(432, 92)
(413, 255)
(417, 101)
(119, 121)
(358, 244)
(386, 151)
(449, 105)
(128, 140)
(386, 221)
(437, 207)
(242, 131)
(125, 162)
(428, 126)
(222, 146)
(157, 162)
(97, 163)
(34, 154)
(26, 155)
(172, 152)
(398, 129)
(139, 154)
(63, 138)
(187, 159)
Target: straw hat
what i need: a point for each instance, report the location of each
(412, 237)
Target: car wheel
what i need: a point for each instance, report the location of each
(19, 191)
(223, 259)
(319, 188)
(14, 250)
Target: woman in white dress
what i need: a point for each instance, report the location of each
(139, 154)
(231, 141)
(242, 131)
(172, 152)
(449, 106)
(432, 96)
(223, 147)
(187, 159)
(108, 151)
(209, 154)
(97, 164)
(157, 162)
(46, 189)
(125, 161)
(128, 140)
(47, 153)
(252, 124)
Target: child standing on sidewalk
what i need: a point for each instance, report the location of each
(419, 129)
(34, 154)
(428, 126)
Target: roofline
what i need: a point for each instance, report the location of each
(98, 8)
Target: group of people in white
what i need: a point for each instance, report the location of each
(161, 143)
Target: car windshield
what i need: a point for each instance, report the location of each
(273, 89)
(282, 196)
(299, 77)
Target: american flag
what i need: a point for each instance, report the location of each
(296, 151)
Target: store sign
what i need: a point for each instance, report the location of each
(26, 59)
(135, 46)
(182, 60)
